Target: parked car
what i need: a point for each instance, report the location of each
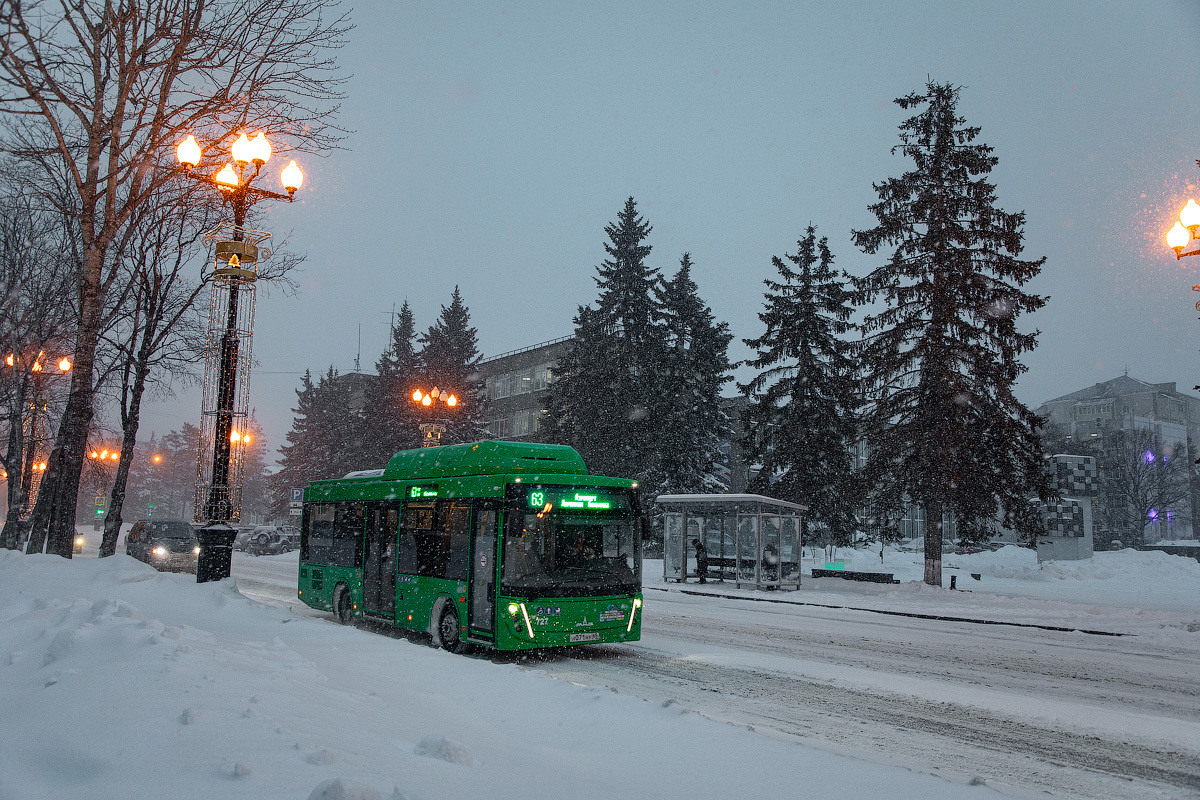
(268, 540)
(165, 544)
(292, 533)
(243, 537)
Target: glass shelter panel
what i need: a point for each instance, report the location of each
(769, 569)
(747, 549)
(673, 563)
(789, 551)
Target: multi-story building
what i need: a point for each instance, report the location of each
(516, 386)
(1171, 417)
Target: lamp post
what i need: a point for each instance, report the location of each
(431, 432)
(41, 368)
(217, 500)
(101, 456)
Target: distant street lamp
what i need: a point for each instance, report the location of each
(41, 368)
(431, 432)
(218, 498)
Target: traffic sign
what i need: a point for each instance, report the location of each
(297, 495)
(294, 512)
(295, 504)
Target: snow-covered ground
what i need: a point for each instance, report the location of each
(120, 682)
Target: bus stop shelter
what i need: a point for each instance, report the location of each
(751, 540)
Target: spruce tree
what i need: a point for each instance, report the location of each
(695, 366)
(944, 429)
(801, 424)
(300, 458)
(391, 416)
(604, 391)
(449, 361)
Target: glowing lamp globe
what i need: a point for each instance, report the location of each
(1190, 216)
(243, 152)
(452, 401)
(260, 149)
(291, 177)
(64, 365)
(426, 400)
(188, 152)
(416, 396)
(227, 176)
(1178, 237)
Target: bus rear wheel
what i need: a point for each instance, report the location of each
(342, 608)
(448, 630)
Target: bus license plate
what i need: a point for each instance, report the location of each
(585, 637)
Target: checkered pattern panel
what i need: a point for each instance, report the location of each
(1073, 475)
(1064, 518)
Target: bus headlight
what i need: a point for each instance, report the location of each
(513, 608)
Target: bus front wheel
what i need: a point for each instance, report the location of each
(342, 608)
(448, 630)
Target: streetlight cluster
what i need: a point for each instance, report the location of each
(1185, 230)
(429, 398)
(64, 363)
(105, 455)
(245, 151)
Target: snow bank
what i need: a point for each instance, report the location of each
(117, 681)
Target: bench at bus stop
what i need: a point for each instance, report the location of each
(719, 568)
(855, 575)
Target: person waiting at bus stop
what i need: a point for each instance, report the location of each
(701, 560)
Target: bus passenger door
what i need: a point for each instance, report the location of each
(379, 561)
(482, 606)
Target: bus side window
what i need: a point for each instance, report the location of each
(422, 542)
(346, 547)
(317, 542)
(456, 524)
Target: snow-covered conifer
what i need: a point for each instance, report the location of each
(801, 424)
(944, 429)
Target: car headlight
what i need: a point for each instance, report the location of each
(79, 541)
(159, 551)
(196, 549)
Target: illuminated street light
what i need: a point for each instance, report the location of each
(1184, 231)
(227, 370)
(431, 432)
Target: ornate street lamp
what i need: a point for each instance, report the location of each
(431, 432)
(226, 394)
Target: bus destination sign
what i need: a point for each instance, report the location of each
(549, 498)
(421, 492)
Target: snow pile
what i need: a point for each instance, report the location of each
(117, 681)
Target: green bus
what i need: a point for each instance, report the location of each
(502, 544)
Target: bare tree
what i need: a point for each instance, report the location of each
(96, 92)
(160, 335)
(1142, 481)
(35, 323)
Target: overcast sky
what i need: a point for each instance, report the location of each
(492, 142)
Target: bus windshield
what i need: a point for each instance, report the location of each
(571, 555)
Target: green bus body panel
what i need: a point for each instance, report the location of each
(602, 620)
(318, 581)
(484, 458)
(478, 470)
